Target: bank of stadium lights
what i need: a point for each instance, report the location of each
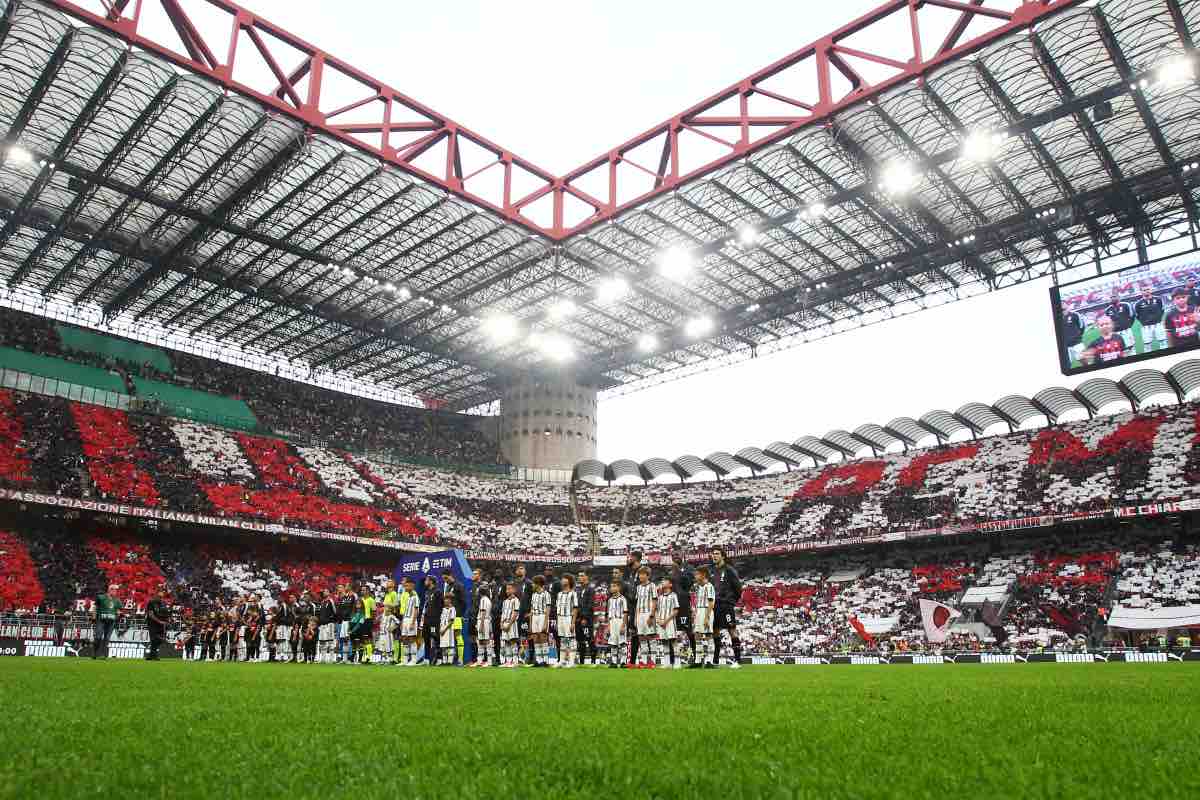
(561, 309)
(647, 343)
(750, 309)
(1176, 72)
(675, 263)
(500, 328)
(698, 327)
(611, 290)
(19, 155)
(982, 146)
(813, 211)
(747, 236)
(1192, 167)
(899, 178)
(550, 345)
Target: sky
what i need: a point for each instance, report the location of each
(561, 82)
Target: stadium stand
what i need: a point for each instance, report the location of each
(1068, 471)
(131, 353)
(212, 391)
(1053, 590)
(180, 401)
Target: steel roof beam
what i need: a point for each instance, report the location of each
(68, 140)
(149, 184)
(1117, 56)
(209, 263)
(245, 193)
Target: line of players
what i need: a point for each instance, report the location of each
(514, 621)
(1177, 326)
(647, 622)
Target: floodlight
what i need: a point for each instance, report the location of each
(611, 290)
(501, 328)
(647, 342)
(556, 348)
(748, 236)
(1176, 72)
(561, 309)
(698, 327)
(899, 178)
(982, 146)
(675, 263)
(19, 155)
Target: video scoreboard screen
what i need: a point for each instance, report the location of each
(1132, 315)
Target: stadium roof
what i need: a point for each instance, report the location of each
(1132, 392)
(193, 165)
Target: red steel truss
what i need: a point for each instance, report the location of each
(804, 88)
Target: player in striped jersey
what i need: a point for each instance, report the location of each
(665, 613)
(483, 627)
(647, 628)
(618, 621)
(567, 611)
(510, 628)
(702, 618)
(539, 622)
(410, 623)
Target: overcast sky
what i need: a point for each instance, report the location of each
(561, 82)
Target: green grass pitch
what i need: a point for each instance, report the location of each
(118, 729)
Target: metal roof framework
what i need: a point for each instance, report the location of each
(1132, 393)
(229, 179)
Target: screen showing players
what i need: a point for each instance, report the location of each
(1139, 313)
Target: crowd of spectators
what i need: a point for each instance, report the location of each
(1162, 574)
(56, 445)
(1049, 591)
(286, 407)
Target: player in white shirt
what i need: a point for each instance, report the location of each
(665, 613)
(386, 641)
(647, 628)
(702, 617)
(618, 621)
(567, 611)
(510, 629)
(410, 622)
(483, 628)
(446, 636)
(539, 622)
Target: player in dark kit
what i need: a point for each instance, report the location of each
(1193, 295)
(682, 581)
(584, 630)
(524, 588)
(1149, 312)
(728, 588)
(1109, 347)
(1180, 321)
(1122, 318)
(1073, 335)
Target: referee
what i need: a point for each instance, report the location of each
(728, 589)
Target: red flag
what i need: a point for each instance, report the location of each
(856, 623)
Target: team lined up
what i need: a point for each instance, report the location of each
(674, 621)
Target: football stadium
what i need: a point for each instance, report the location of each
(302, 484)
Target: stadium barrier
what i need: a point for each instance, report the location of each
(1086, 657)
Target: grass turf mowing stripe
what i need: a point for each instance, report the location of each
(77, 728)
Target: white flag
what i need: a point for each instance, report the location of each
(937, 617)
